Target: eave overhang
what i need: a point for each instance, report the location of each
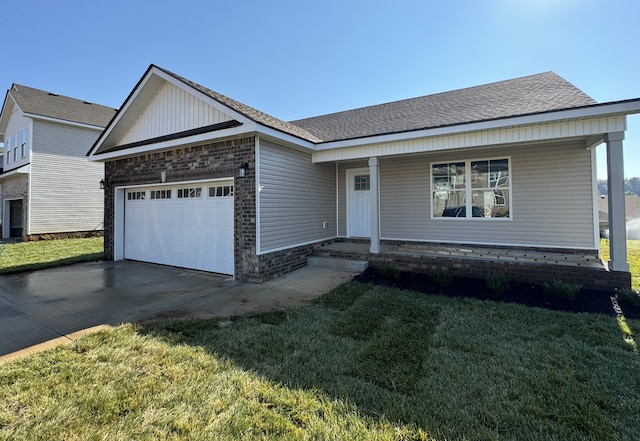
(365, 147)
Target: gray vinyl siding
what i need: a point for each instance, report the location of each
(296, 197)
(552, 204)
(65, 191)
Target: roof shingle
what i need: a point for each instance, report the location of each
(521, 96)
(47, 104)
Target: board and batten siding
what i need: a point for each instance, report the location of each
(552, 204)
(172, 110)
(296, 197)
(65, 190)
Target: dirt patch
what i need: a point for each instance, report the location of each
(590, 301)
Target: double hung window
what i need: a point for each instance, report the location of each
(471, 189)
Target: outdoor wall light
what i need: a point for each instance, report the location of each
(102, 184)
(242, 170)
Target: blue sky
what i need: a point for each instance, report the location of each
(295, 59)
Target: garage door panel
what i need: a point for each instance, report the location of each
(192, 232)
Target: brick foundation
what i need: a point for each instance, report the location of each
(527, 272)
(68, 235)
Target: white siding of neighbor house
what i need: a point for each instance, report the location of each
(65, 190)
(16, 123)
(552, 204)
(295, 198)
(172, 110)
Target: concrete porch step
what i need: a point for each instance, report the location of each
(356, 266)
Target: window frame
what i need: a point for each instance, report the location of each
(469, 189)
(23, 141)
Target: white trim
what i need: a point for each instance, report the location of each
(257, 190)
(63, 121)
(594, 194)
(348, 172)
(16, 171)
(177, 183)
(337, 198)
(602, 110)
(287, 247)
(173, 143)
(469, 191)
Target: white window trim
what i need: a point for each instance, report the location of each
(469, 191)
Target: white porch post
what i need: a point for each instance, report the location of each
(615, 183)
(374, 248)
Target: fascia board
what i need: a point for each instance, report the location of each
(601, 110)
(289, 139)
(62, 121)
(174, 143)
(17, 171)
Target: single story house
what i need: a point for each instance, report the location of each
(199, 180)
(48, 187)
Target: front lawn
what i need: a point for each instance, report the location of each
(26, 256)
(633, 257)
(362, 362)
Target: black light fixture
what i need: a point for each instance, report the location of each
(242, 170)
(102, 184)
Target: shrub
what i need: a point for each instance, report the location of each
(562, 289)
(629, 296)
(441, 276)
(389, 272)
(497, 282)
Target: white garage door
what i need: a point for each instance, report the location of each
(189, 226)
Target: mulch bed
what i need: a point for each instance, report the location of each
(590, 301)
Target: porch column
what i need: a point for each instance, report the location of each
(374, 191)
(615, 183)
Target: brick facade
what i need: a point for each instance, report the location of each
(17, 187)
(207, 161)
(527, 272)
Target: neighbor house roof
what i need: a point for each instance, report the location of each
(631, 207)
(521, 96)
(46, 104)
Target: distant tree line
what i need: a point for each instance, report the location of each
(631, 185)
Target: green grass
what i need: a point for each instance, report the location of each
(27, 256)
(633, 257)
(360, 363)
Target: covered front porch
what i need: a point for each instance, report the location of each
(522, 264)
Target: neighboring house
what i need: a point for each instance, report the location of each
(632, 216)
(196, 179)
(49, 188)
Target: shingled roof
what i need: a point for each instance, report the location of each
(249, 112)
(51, 105)
(521, 96)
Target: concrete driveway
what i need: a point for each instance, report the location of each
(54, 304)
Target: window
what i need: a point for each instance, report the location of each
(471, 189)
(8, 144)
(136, 195)
(15, 153)
(361, 182)
(23, 142)
(160, 194)
(220, 191)
(184, 193)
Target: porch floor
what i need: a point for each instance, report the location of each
(496, 254)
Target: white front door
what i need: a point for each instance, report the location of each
(358, 203)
